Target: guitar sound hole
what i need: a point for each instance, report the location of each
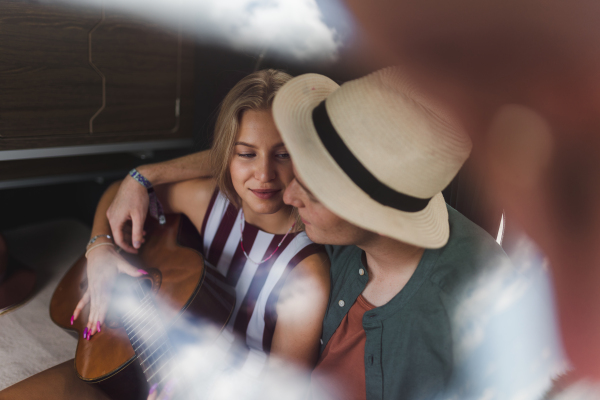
(146, 283)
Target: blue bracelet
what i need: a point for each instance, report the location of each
(140, 178)
(154, 207)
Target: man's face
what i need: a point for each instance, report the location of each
(322, 226)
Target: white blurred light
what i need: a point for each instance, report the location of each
(505, 331)
(500, 235)
(287, 28)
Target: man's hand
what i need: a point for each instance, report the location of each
(130, 204)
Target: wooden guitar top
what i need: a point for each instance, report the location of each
(176, 274)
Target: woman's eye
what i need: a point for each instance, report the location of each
(283, 156)
(246, 155)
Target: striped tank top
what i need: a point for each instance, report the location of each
(257, 286)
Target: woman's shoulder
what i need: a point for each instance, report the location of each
(198, 190)
(309, 281)
(313, 265)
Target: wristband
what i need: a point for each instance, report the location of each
(140, 178)
(154, 206)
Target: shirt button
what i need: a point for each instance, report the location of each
(342, 303)
(361, 271)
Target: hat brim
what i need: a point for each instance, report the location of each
(292, 111)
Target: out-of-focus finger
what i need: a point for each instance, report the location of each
(126, 268)
(153, 394)
(137, 227)
(87, 333)
(82, 303)
(101, 316)
(96, 302)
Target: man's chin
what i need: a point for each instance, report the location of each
(314, 237)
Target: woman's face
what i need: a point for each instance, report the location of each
(261, 168)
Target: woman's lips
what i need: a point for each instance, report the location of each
(265, 194)
(304, 221)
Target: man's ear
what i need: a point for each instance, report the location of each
(517, 152)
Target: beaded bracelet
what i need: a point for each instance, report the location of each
(92, 240)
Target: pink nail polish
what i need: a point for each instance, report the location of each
(72, 319)
(98, 326)
(85, 332)
(152, 389)
(141, 271)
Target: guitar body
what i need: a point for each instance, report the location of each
(183, 289)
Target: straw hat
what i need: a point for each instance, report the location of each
(382, 154)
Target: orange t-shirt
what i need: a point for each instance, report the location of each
(340, 372)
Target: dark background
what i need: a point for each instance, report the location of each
(216, 71)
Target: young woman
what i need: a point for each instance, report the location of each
(247, 231)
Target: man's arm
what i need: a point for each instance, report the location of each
(131, 201)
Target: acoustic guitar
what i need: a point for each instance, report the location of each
(133, 350)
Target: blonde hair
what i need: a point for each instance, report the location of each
(254, 92)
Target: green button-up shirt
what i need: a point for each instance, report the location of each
(408, 350)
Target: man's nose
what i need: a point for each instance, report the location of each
(290, 196)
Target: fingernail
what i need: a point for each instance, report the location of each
(141, 271)
(98, 326)
(152, 389)
(72, 319)
(136, 245)
(89, 335)
(85, 332)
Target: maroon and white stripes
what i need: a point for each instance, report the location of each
(257, 286)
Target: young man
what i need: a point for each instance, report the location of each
(371, 158)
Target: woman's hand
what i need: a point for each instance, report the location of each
(103, 265)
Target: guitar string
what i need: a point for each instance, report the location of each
(149, 317)
(142, 303)
(165, 376)
(158, 369)
(148, 311)
(155, 361)
(149, 338)
(134, 328)
(140, 308)
(138, 313)
(146, 344)
(151, 363)
(155, 350)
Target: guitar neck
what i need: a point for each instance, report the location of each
(149, 339)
